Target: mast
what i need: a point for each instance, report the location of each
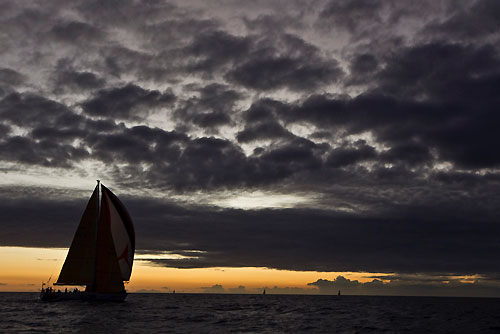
(96, 234)
(98, 210)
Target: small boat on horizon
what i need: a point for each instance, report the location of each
(101, 254)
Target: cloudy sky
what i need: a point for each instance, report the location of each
(312, 136)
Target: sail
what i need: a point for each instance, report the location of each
(122, 232)
(108, 276)
(102, 252)
(78, 269)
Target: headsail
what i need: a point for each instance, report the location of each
(108, 276)
(122, 231)
(79, 267)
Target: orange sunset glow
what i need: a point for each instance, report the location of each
(24, 269)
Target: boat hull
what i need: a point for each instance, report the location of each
(54, 296)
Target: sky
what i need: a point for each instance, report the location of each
(300, 146)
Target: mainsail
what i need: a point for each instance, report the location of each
(102, 252)
(79, 267)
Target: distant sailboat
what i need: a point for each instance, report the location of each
(101, 254)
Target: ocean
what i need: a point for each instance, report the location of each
(224, 313)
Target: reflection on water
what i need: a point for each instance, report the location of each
(205, 313)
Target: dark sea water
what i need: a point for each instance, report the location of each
(205, 313)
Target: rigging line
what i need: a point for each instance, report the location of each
(57, 263)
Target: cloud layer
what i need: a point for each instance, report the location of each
(383, 115)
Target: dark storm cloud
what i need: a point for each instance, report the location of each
(440, 94)
(30, 22)
(267, 130)
(117, 61)
(212, 108)
(264, 110)
(77, 33)
(11, 77)
(137, 144)
(351, 15)
(272, 73)
(405, 239)
(311, 241)
(214, 49)
(45, 152)
(47, 119)
(211, 119)
(411, 153)
(262, 122)
(362, 68)
(298, 66)
(84, 80)
(177, 161)
(50, 133)
(442, 71)
(60, 224)
(381, 24)
(178, 28)
(4, 130)
(274, 23)
(173, 159)
(212, 162)
(340, 157)
(465, 179)
(277, 61)
(77, 81)
(474, 22)
(128, 102)
(29, 110)
(459, 81)
(143, 40)
(119, 13)
(297, 155)
(364, 64)
(52, 126)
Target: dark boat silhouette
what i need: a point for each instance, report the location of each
(101, 254)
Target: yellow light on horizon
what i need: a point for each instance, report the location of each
(24, 269)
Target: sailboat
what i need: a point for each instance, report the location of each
(101, 254)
